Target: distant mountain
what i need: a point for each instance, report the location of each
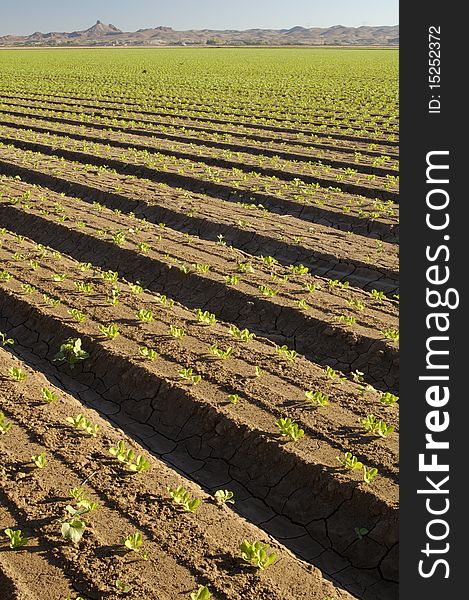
(109, 35)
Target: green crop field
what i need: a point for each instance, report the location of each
(199, 298)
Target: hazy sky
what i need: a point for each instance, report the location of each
(23, 17)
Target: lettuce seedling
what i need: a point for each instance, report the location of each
(299, 269)
(224, 497)
(188, 375)
(182, 498)
(388, 399)
(145, 316)
(259, 372)
(219, 353)
(5, 276)
(73, 529)
(390, 334)
(85, 288)
(126, 456)
(39, 460)
(267, 291)
(71, 352)
(317, 398)
(77, 315)
(369, 474)
(201, 594)
(303, 305)
(286, 352)
(81, 422)
(148, 353)
(245, 267)
(378, 427)
(4, 426)
(256, 555)
(377, 295)
(135, 288)
(110, 276)
(290, 428)
(6, 341)
(28, 289)
(134, 542)
(164, 300)
(232, 279)
(48, 396)
(16, 374)
(16, 537)
(205, 317)
(111, 331)
(143, 247)
(241, 334)
(122, 587)
(350, 462)
(176, 332)
(233, 398)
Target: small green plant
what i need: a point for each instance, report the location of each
(77, 315)
(299, 269)
(145, 316)
(286, 352)
(4, 426)
(390, 334)
(224, 497)
(48, 396)
(84, 288)
(81, 422)
(310, 287)
(361, 532)
(388, 399)
(241, 334)
(110, 276)
(50, 300)
(256, 554)
(317, 398)
(73, 529)
(16, 537)
(330, 373)
(28, 289)
(201, 594)
(358, 304)
(348, 320)
(377, 295)
(290, 428)
(6, 341)
(111, 331)
(205, 317)
(369, 474)
(233, 398)
(269, 260)
(39, 460)
(245, 267)
(118, 237)
(16, 374)
(5, 276)
(113, 297)
(232, 279)
(219, 353)
(133, 541)
(143, 248)
(177, 332)
(135, 288)
(126, 456)
(259, 372)
(71, 352)
(376, 426)
(267, 291)
(302, 305)
(148, 353)
(183, 498)
(122, 587)
(350, 462)
(188, 375)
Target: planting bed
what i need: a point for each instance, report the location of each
(225, 266)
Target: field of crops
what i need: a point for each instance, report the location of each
(199, 335)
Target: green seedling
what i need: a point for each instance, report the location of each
(48, 396)
(361, 532)
(388, 399)
(181, 497)
(369, 474)
(186, 269)
(84, 506)
(6, 341)
(346, 320)
(267, 291)
(118, 237)
(164, 300)
(143, 248)
(358, 304)
(34, 265)
(77, 493)
(16, 537)
(133, 541)
(377, 295)
(126, 456)
(177, 332)
(302, 305)
(135, 288)
(299, 269)
(77, 315)
(317, 398)
(205, 317)
(219, 353)
(201, 268)
(110, 276)
(39, 460)
(330, 373)
(256, 554)
(122, 587)
(188, 375)
(290, 428)
(241, 334)
(245, 267)
(16, 374)
(145, 316)
(51, 301)
(259, 372)
(390, 334)
(286, 352)
(5, 276)
(85, 266)
(113, 298)
(350, 462)
(224, 497)
(71, 352)
(148, 353)
(279, 278)
(4, 426)
(311, 287)
(111, 331)
(269, 260)
(233, 398)
(84, 288)
(59, 277)
(73, 529)
(81, 422)
(28, 289)
(357, 376)
(201, 594)
(232, 279)
(375, 426)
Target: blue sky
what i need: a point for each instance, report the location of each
(23, 17)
